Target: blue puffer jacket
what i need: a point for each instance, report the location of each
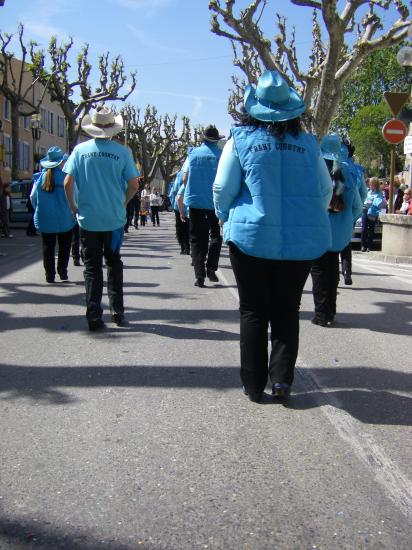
(51, 210)
(203, 163)
(341, 223)
(274, 195)
(374, 202)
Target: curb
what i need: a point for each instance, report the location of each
(382, 257)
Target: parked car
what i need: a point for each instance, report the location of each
(377, 237)
(20, 193)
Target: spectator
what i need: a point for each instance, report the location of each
(406, 202)
(156, 202)
(272, 191)
(52, 215)
(99, 169)
(5, 208)
(374, 203)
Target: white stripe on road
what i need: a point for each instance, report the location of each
(380, 269)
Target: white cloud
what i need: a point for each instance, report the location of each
(150, 42)
(149, 6)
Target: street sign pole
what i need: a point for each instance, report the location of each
(392, 179)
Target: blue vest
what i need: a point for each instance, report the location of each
(203, 163)
(280, 211)
(52, 212)
(341, 223)
(175, 189)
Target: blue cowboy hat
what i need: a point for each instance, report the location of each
(330, 147)
(273, 100)
(53, 158)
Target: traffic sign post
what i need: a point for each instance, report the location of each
(394, 131)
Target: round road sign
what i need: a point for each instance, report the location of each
(394, 131)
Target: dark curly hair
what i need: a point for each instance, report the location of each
(278, 129)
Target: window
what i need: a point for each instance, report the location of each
(61, 125)
(7, 151)
(26, 156)
(43, 116)
(51, 123)
(26, 122)
(6, 109)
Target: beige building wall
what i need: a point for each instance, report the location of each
(53, 128)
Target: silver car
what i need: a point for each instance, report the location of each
(20, 193)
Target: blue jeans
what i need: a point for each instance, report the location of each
(368, 230)
(95, 245)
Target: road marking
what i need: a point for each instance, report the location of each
(396, 484)
(388, 272)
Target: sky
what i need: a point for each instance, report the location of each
(182, 67)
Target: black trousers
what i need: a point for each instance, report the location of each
(49, 249)
(270, 292)
(76, 243)
(325, 278)
(182, 232)
(95, 245)
(346, 260)
(205, 240)
(155, 215)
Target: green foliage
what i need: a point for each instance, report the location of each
(379, 73)
(372, 151)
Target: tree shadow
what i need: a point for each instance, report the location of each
(27, 533)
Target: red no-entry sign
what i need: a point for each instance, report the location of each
(394, 131)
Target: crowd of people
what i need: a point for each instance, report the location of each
(284, 204)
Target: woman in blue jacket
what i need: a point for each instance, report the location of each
(374, 203)
(52, 215)
(344, 210)
(272, 190)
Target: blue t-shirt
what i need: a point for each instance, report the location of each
(101, 169)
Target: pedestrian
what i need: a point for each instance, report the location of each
(143, 214)
(156, 202)
(145, 198)
(357, 173)
(325, 269)
(406, 202)
(199, 171)
(52, 215)
(272, 191)
(105, 178)
(5, 208)
(374, 203)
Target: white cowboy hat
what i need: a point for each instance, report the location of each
(102, 123)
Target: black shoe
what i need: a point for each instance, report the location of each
(76, 261)
(348, 280)
(200, 282)
(320, 322)
(63, 276)
(256, 397)
(95, 324)
(211, 275)
(280, 391)
(50, 279)
(119, 319)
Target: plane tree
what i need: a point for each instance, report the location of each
(344, 35)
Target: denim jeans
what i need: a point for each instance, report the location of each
(270, 292)
(95, 245)
(368, 230)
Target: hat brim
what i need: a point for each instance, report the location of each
(270, 112)
(330, 156)
(45, 163)
(97, 132)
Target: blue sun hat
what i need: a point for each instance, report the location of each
(53, 158)
(330, 147)
(273, 100)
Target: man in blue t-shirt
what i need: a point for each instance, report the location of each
(101, 179)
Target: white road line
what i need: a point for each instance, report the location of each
(379, 270)
(396, 484)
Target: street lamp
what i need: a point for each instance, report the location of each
(36, 134)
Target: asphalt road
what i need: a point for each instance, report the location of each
(139, 437)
